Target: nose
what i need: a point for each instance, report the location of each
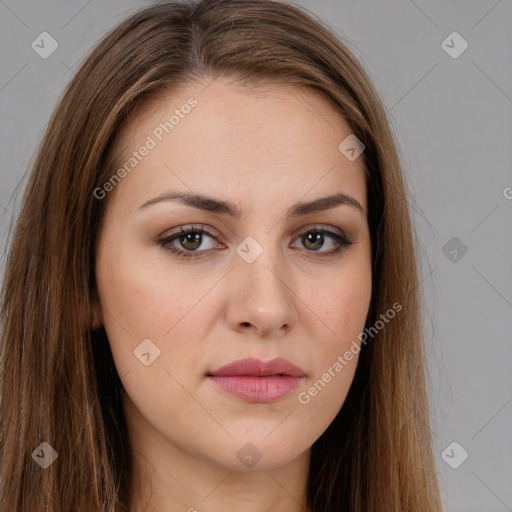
(262, 300)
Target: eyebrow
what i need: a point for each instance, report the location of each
(219, 206)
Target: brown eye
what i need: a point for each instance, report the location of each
(191, 241)
(313, 241)
(188, 242)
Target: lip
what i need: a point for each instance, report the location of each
(258, 381)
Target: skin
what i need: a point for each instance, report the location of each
(263, 149)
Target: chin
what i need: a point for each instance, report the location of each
(261, 452)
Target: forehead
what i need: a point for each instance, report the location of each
(237, 142)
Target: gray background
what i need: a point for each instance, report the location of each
(452, 118)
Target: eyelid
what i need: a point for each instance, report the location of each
(186, 228)
(319, 227)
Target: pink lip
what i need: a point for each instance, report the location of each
(259, 381)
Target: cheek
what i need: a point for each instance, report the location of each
(140, 302)
(142, 315)
(139, 297)
(343, 306)
(342, 303)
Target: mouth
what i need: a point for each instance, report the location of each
(258, 381)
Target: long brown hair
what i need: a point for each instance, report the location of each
(58, 380)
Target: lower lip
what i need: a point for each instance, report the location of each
(257, 389)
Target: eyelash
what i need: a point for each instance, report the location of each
(165, 242)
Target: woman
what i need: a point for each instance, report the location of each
(211, 299)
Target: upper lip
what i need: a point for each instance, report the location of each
(257, 368)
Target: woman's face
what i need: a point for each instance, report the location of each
(251, 277)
